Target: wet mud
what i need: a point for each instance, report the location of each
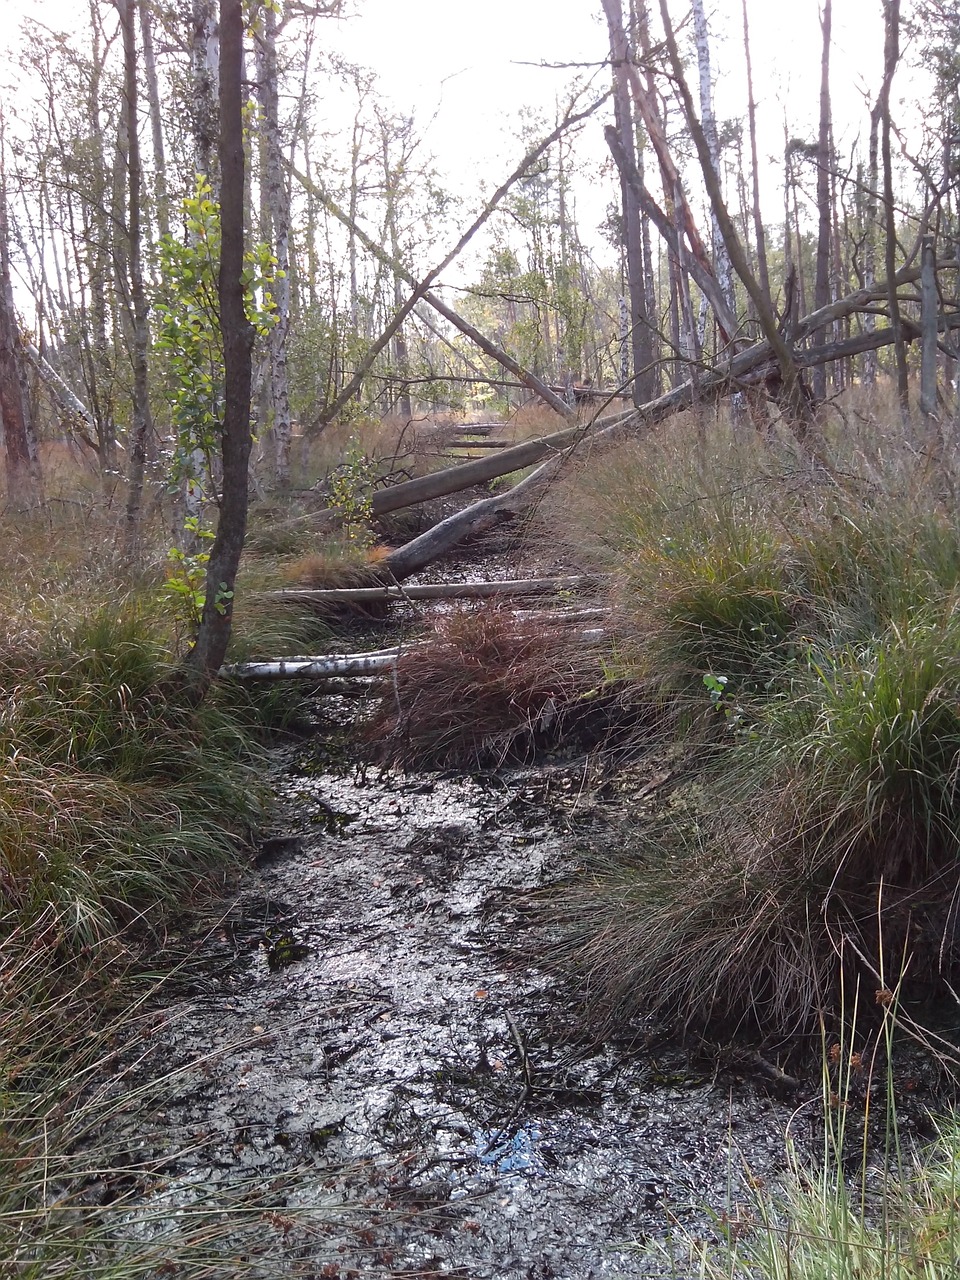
(360, 1012)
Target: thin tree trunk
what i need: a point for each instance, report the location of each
(400, 355)
(139, 306)
(929, 316)
(891, 56)
(641, 348)
(758, 228)
(277, 202)
(721, 258)
(794, 393)
(822, 287)
(156, 120)
(870, 229)
(206, 657)
(21, 466)
(204, 59)
(79, 418)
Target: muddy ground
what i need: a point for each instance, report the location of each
(360, 1025)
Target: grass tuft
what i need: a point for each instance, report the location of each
(811, 627)
(485, 686)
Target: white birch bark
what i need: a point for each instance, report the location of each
(277, 203)
(721, 257)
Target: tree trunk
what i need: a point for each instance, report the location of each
(277, 202)
(139, 307)
(822, 287)
(794, 393)
(891, 56)
(204, 60)
(641, 348)
(721, 258)
(870, 229)
(156, 120)
(206, 657)
(759, 233)
(21, 466)
(929, 318)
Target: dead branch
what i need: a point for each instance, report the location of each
(435, 591)
(529, 380)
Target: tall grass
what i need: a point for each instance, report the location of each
(88, 1189)
(871, 1206)
(116, 799)
(800, 635)
(120, 805)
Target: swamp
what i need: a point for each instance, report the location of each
(479, 643)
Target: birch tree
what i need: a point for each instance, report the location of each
(721, 257)
(821, 294)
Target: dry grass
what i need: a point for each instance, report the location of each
(810, 623)
(485, 686)
(340, 563)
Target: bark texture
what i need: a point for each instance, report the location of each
(206, 657)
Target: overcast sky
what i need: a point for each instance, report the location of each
(467, 69)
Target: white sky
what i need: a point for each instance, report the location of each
(460, 68)
(473, 64)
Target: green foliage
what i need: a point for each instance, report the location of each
(351, 495)
(184, 587)
(189, 339)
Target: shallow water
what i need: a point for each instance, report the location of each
(358, 1012)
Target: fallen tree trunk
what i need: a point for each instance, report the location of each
(479, 470)
(741, 370)
(333, 665)
(78, 417)
(749, 368)
(435, 591)
(338, 665)
(422, 287)
(506, 361)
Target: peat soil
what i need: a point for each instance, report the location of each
(360, 1024)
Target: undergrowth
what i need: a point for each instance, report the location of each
(872, 1205)
(121, 805)
(485, 686)
(799, 632)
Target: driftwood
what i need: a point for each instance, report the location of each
(434, 591)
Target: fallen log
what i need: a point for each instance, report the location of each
(749, 368)
(323, 667)
(434, 591)
(337, 665)
(478, 471)
(474, 444)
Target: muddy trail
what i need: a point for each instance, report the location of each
(361, 1034)
(360, 1023)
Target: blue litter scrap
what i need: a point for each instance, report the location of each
(508, 1152)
